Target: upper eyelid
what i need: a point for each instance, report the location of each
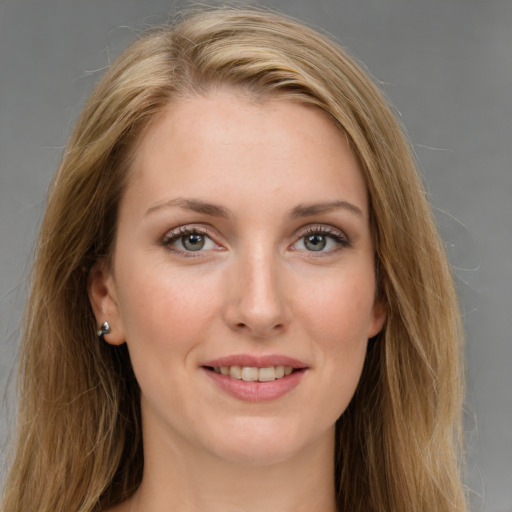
(338, 235)
(205, 229)
(325, 229)
(320, 227)
(172, 236)
(188, 228)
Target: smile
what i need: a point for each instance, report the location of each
(254, 378)
(253, 374)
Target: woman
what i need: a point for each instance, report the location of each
(239, 299)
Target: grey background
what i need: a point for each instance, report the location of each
(445, 64)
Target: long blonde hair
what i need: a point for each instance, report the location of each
(79, 445)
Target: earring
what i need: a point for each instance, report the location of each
(104, 329)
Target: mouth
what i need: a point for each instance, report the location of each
(254, 373)
(256, 378)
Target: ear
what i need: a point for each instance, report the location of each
(378, 319)
(103, 298)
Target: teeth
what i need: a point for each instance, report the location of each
(249, 374)
(267, 374)
(235, 372)
(252, 374)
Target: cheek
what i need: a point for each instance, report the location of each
(166, 316)
(165, 311)
(340, 309)
(339, 313)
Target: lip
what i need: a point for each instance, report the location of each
(256, 361)
(256, 391)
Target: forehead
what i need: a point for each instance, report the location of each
(225, 142)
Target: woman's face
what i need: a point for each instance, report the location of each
(243, 250)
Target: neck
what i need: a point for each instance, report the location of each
(180, 477)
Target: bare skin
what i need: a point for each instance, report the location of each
(243, 236)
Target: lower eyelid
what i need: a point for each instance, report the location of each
(173, 237)
(337, 235)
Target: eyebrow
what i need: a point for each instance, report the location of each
(302, 210)
(308, 210)
(192, 204)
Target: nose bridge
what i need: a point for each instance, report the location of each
(257, 303)
(262, 288)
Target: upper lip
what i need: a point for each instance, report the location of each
(260, 361)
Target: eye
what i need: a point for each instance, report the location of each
(315, 242)
(188, 239)
(321, 239)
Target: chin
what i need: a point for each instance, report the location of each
(259, 442)
(259, 454)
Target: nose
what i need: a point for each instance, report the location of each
(256, 303)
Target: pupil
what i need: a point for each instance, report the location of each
(315, 242)
(193, 242)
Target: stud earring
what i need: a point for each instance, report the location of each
(104, 329)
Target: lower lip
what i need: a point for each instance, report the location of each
(256, 391)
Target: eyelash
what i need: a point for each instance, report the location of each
(174, 235)
(338, 236)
